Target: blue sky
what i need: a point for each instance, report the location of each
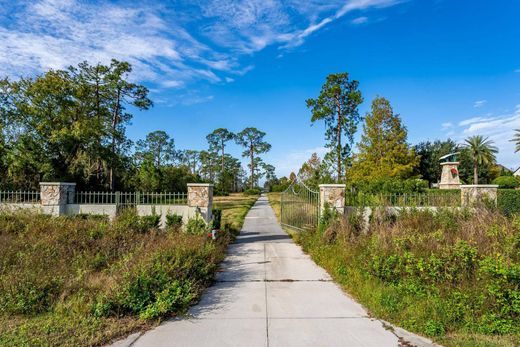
(450, 68)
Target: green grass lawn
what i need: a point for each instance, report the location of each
(87, 282)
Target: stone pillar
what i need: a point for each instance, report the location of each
(200, 195)
(55, 196)
(450, 175)
(333, 195)
(474, 194)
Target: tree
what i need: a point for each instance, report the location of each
(314, 171)
(516, 140)
(253, 140)
(383, 150)
(190, 158)
(158, 148)
(430, 153)
(481, 151)
(337, 105)
(217, 142)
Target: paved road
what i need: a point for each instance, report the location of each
(269, 293)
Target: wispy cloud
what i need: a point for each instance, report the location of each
(447, 125)
(499, 128)
(171, 45)
(359, 20)
(479, 103)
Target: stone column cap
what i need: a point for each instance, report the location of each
(479, 186)
(334, 185)
(451, 163)
(200, 184)
(57, 184)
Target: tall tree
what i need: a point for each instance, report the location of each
(516, 140)
(253, 141)
(481, 151)
(158, 148)
(217, 142)
(337, 105)
(190, 158)
(122, 93)
(383, 150)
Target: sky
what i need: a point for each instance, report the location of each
(450, 68)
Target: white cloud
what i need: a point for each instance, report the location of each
(479, 103)
(499, 128)
(447, 125)
(359, 20)
(171, 45)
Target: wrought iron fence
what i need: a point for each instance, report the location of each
(404, 200)
(299, 207)
(19, 197)
(130, 198)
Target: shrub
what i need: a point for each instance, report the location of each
(507, 182)
(150, 222)
(252, 191)
(217, 218)
(508, 201)
(196, 226)
(391, 186)
(173, 220)
(277, 188)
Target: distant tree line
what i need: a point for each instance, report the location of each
(70, 125)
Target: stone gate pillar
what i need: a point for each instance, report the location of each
(333, 195)
(474, 194)
(450, 175)
(55, 196)
(200, 195)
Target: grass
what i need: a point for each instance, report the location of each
(84, 281)
(452, 276)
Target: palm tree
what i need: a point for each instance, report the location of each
(516, 140)
(482, 151)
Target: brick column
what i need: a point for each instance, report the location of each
(333, 195)
(55, 196)
(200, 195)
(475, 194)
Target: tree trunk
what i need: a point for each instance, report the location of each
(222, 172)
(113, 145)
(338, 134)
(475, 173)
(252, 165)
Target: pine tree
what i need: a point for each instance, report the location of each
(383, 150)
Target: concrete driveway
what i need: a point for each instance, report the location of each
(269, 293)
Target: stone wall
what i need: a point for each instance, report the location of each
(333, 196)
(448, 179)
(475, 194)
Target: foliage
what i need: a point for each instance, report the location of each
(253, 141)
(217, 218)
(217, 142)
(430, 153)
(173, 220)
(390, 186)
(84, 281)
(481, 151)
(508, 201)
(252, 191)
(383, 150)
(196, 226)
(438, 274)
(337, 105)
(507, 182)
(516, 140)
(158, 148)
(314, 172)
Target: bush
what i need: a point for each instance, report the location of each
(217, 218)
(150, 222)
(453, 271)
(507, 182)
(391, 186)
(173, 220)
(252, 191)
(196, 226)
(508, 201)
(277, 188)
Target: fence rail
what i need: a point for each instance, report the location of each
(404, 200)
(130, 198)
(20, 197)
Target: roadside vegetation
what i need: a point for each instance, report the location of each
(452, 275)
(85, 281)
